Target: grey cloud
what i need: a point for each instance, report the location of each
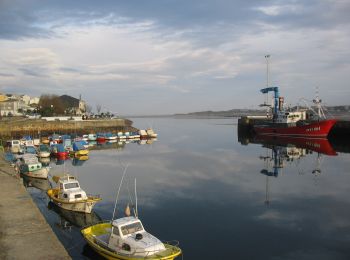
(223, 18)
(35, 72)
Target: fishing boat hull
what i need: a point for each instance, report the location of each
(90, 234)
(85, 206)
(319, 129)
(40, 173)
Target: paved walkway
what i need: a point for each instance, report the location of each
(24, 232)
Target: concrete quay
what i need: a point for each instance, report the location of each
(24, 232)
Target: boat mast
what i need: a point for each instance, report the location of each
(120, 185)
(267, 57)
(267, 69)
(317, 101)
(136, 212)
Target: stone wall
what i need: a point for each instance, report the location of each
(20, 127)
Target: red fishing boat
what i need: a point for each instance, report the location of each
(298, 123)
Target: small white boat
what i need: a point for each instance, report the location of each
(151, 133)
(70, 196)
(92, 137)
(143, 133)
(121, 135)
(14, 146)
(126, 238)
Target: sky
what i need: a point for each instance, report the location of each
(176, 56)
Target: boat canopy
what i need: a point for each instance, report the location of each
(44, 148)
(78, 145)
(59, 148)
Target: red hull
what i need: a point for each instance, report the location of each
(101, 139)
(61, 154)
(317, 145)
(313, 130)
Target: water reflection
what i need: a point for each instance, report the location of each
(282, 150)
(70, 218)
(41, 184)
(198, 185)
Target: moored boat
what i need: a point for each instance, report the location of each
(43, 151)
(150, 133)
(28, 164)
(142, 133)
(125, 238)
(70, 196)
(58, 151)
(298, 123)
(92, 137)
(79, 149)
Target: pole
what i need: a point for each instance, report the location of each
(267, 69)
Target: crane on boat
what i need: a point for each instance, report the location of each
(276, 97)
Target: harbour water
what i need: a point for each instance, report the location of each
(220, 199)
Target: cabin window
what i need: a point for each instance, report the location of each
(116, 231)
(132, 228)
(65, 195)
(77, 196)
(126, 247)
(71, 185)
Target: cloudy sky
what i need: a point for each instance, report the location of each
(175, 56)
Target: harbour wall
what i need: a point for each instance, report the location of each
(25, 234)
(41, 127)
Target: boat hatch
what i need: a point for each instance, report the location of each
(131, 228)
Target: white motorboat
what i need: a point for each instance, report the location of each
(70, 196)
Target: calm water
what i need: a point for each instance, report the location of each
(199, 185)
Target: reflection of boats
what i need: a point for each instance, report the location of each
(41, 184)
(79, 160)
(70, 196)
(43, 151)
(317, 145)
(78, 219)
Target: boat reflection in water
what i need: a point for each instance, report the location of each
(290, 149)
(281, 151)
(69, 218)
(79, 160)
(41, 184)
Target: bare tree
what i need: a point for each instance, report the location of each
(88, 109)
(98, 108)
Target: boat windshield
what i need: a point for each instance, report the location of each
(131, 228)
(71, 185)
